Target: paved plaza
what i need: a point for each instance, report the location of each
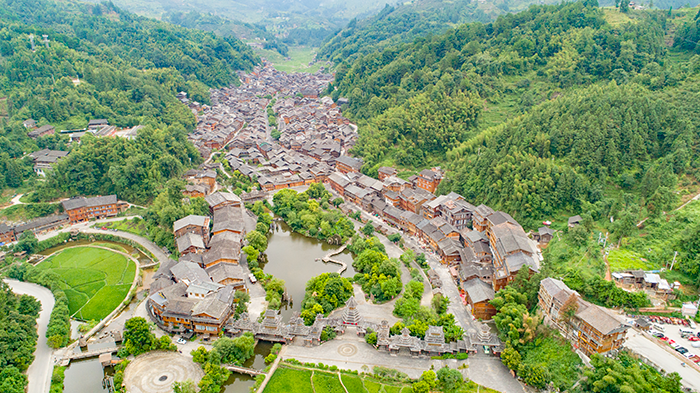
(349, 351)
(141, 376)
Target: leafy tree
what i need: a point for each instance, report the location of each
(138, 337)
(12, 380)
(257, 240)
(371, 338)
(368, 229)
(187, 386)
(626, 374)
(394, 237)
(449, 379)
(27, 242)
(237, 350)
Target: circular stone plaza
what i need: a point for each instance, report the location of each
(155, 372)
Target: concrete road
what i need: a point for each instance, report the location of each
(663, 358)
(85, 228)
(39, 372)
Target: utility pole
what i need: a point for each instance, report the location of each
(675, 253)
(46, 40)
(31, 40)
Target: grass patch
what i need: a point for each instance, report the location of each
(298, 61)
(621, 260)
(104, 301)
(290, 381)
(29, 211)
(94, 280)
(353, 383)
(326, 383)
(114, 247)
(372, 387)
(76, 300)
(615, 18)
(134, 226)
(90, 289)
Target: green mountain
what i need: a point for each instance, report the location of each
(406, 21)
(228, 27)
(99, 61)
(295, 22)
(557, 109)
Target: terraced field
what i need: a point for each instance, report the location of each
(95, 280)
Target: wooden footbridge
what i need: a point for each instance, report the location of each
(244, 370)
(86, 355)
(327, 258)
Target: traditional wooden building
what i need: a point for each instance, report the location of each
(7, 234)
(590, 328)
(82, 209)
(346, 164)
(219, 200)
(479, 295)
(192, 224)
(428, 180)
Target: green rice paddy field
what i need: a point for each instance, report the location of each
(291, 379)
(95, 280)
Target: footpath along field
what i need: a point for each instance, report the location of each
(95, 280)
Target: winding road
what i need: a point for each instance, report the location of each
(39, 372)
(85, 228)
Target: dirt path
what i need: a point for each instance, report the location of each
(608, 275)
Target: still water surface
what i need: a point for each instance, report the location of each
(291, 257)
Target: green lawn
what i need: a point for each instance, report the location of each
(290, 380)
(95, 280)
(353, 383)
(136, 226)
(620, 260)
(326, 383)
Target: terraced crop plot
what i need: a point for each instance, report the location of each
(94, 280)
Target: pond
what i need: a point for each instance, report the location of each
(87, 375)
(241, 383)
(292, 258)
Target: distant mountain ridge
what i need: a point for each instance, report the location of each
(405, 22)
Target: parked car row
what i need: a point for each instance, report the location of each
(693, 337)
(656, 319)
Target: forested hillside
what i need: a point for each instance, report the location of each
(298, 22)
(227, 27)
(102, 62)
(405, 22)
(511, 103)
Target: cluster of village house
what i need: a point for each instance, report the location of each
(313, 131)
(485, 249)
(45, 158)
(196, 294)
(76, 210)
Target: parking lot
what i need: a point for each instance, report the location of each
(666, 358)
